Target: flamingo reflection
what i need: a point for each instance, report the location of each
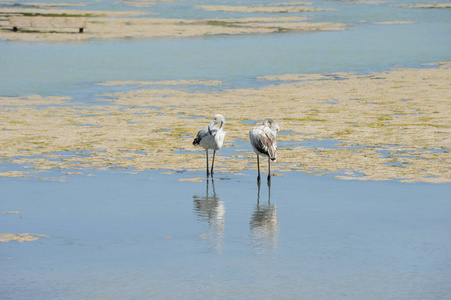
(211, 209)
(264, 222)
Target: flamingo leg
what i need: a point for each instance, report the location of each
(213, 162)
(208, 171)
(269, 192)
(269, 169)
(258, 192)
(258, 168)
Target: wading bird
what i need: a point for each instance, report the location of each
(211, 137)
(263, 139)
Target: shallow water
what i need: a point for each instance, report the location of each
(72, 69)
(149, 235)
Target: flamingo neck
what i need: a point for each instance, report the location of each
(221, 127)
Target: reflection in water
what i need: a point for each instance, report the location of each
(264, 222)
(211, 209)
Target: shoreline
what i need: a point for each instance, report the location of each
(139, 25)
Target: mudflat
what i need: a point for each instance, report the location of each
(383, 126)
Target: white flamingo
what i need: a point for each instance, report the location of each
(263, 139)
(211, 137)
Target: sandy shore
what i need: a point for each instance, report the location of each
(388, 125)
(140, 24)
(118, 25)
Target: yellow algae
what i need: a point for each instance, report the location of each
(20, 237)
(300, 77)
(14, 174)
(11, 212)
(437, 5)
(162, 82)
(51, 5)
(73, 173)
(291, 3)
(238, 21)
(69, 12)
(395, 22)
(301, 26)
(263, 9)
(380, 134)
(59, 179)
(194, 179)
(360, 1)
(144, 3)
(33, 100)
(40, 5)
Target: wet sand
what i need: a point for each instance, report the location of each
(392, 125)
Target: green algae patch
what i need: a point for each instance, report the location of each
(380, 134)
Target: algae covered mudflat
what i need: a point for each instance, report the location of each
(388, 125)
(20, 237)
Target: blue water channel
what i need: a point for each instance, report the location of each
(72, 69)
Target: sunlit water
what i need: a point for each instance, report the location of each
(151, 236)
(147, 235)
(73, 69)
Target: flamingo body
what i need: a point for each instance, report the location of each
(211, 137)
(263, 139)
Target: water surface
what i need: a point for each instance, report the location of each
(147, 235)
(72, 69)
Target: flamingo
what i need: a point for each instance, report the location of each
(211, 137)
(263, 140)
